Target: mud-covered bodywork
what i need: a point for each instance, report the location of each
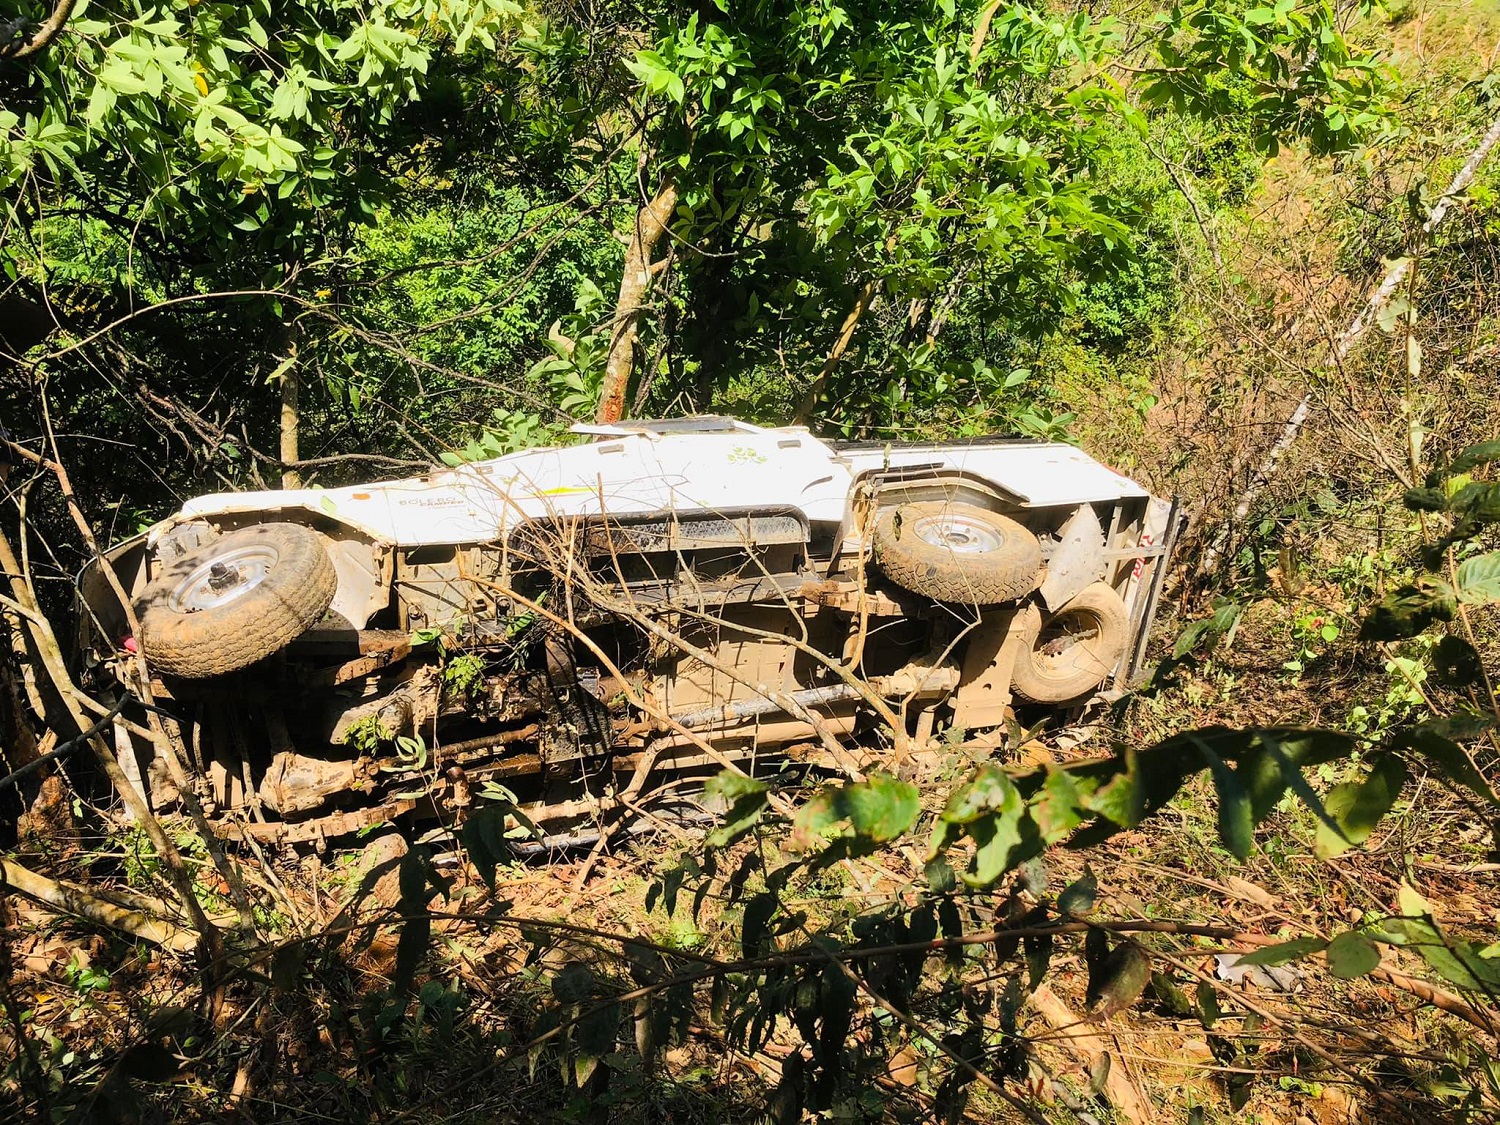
(663, 596)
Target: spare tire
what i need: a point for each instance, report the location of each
(956, 552)
(236, 600)
(1072, 652)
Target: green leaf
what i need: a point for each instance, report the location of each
(1096, 949)
(574, 983)
(1456, 661)
(1099, 1073)
(1078, 897)
(411, 948)
(595, 1033)
(1059, 808)
(874, 811)
(989, 809)
(1454, 960)
(1474, 456)
(257, 33)
(101, 101)
(1431, 740)
(1332, 841)
(1461, 725)
(1122, 978)
(996, 836)
(412, 875)
(118, 76)
(1171, 996)
(1123, 798)
(882, 807)
(940, 876)
(1356, 807)
(1425, 499)
(991, 788)
(837, 999)
(1352, 955)
(1208, 1005)
(484, 838)
(755, 933)
(1188, 639)
(1478, 579)
(817, 823)
(1294, 950)
(1409, 610)
(1038, 953)
(1477, 502)
(1236, 813)
(747, 800)
(1288, 765)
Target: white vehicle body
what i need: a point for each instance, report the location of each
(640, 469)
(756, 532)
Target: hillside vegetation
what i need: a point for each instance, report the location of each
(1218, 245)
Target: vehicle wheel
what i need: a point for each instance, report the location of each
(1070, 653)
(236, 600)
(955, 552)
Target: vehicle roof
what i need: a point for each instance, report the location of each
(665, 427)
(706, 463)
(1039, 474)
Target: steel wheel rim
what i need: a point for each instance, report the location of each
(224, 579)
(959, 533)
(1063, 638)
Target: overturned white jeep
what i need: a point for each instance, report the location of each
(666, 597)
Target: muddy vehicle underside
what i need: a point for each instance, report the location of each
(578, 628)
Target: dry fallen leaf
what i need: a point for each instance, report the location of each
(903, 1066)
(1243, 888)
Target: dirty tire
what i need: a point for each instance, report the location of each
(276, 580)
(1070, 653)
(956, 552)
(380, 869)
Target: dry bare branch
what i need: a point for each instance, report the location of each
(1344, 343)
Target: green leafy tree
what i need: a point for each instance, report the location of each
(871, 218)
(233, 148)
(821, 159)
(197, 121)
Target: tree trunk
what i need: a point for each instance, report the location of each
(635, 283)
(17, 742)
(862, 305)
(291, 418)
(75, 901)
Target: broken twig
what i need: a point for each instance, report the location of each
(78, 903)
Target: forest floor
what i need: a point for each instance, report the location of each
(1298, 1047)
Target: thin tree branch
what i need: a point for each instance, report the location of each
(42, 38)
